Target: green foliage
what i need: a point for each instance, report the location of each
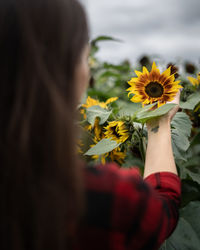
(147, 113)
(96, 111)
(182, 123)
(191, 102)
(187, 233)
(181, 130)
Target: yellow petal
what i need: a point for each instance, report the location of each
(154, 68)
(136, 98)
(103, 159)
(197, 108)
(88, 127)
(167, 72)
(159, 104)
(193, 80)
(90, 102)
(138, 73)
(145, 70)
(131, 92)
(177, 82)
(133, 80)
(112, 99)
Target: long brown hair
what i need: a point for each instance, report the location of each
(40, 184)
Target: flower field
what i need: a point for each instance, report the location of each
(120, 100)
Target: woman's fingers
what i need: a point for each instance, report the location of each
(176, 100)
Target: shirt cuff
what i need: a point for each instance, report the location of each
(164, 180)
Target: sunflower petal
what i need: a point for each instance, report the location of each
(167, 72)
(138, 73)
(136, 98)
(133, 79)
(145, 70)
(193, 80)
(154, 68)
(112, 99)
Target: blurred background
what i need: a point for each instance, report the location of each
(166, 30)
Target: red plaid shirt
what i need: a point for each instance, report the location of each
(126, 212)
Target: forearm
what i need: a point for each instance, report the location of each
(159, 156)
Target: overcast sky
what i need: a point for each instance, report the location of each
(169, 28)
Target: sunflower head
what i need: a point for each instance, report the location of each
(151, 87)
(195, 81)
(117, 155)
(116, 131)
(190, 68)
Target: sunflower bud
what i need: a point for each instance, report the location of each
(190, 68)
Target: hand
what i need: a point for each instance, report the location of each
(167, 117)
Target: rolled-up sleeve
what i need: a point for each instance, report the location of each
(157, 215)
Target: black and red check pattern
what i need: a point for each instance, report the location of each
(126, 212)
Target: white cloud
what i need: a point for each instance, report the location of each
(168, 27)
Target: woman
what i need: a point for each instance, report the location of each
(44, 188)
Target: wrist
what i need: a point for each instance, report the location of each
(162, 123)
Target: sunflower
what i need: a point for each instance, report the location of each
(92, 102)
(117, 155)
(195, 81)
(117, 131)
(150, 87)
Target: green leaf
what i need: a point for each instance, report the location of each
(181, 130)
(128, 109)
(187, 233)
(102, 147)
(182, 122)
(191, 102)
(146, 114)
(190, 191)
(196, 139)
(191, 213)
(190, 169)
(194, 176)
(180, 144)
(184, 238)
(104, 38)
(96, 111)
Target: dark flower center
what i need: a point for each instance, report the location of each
(114, 131)
(154, 89)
